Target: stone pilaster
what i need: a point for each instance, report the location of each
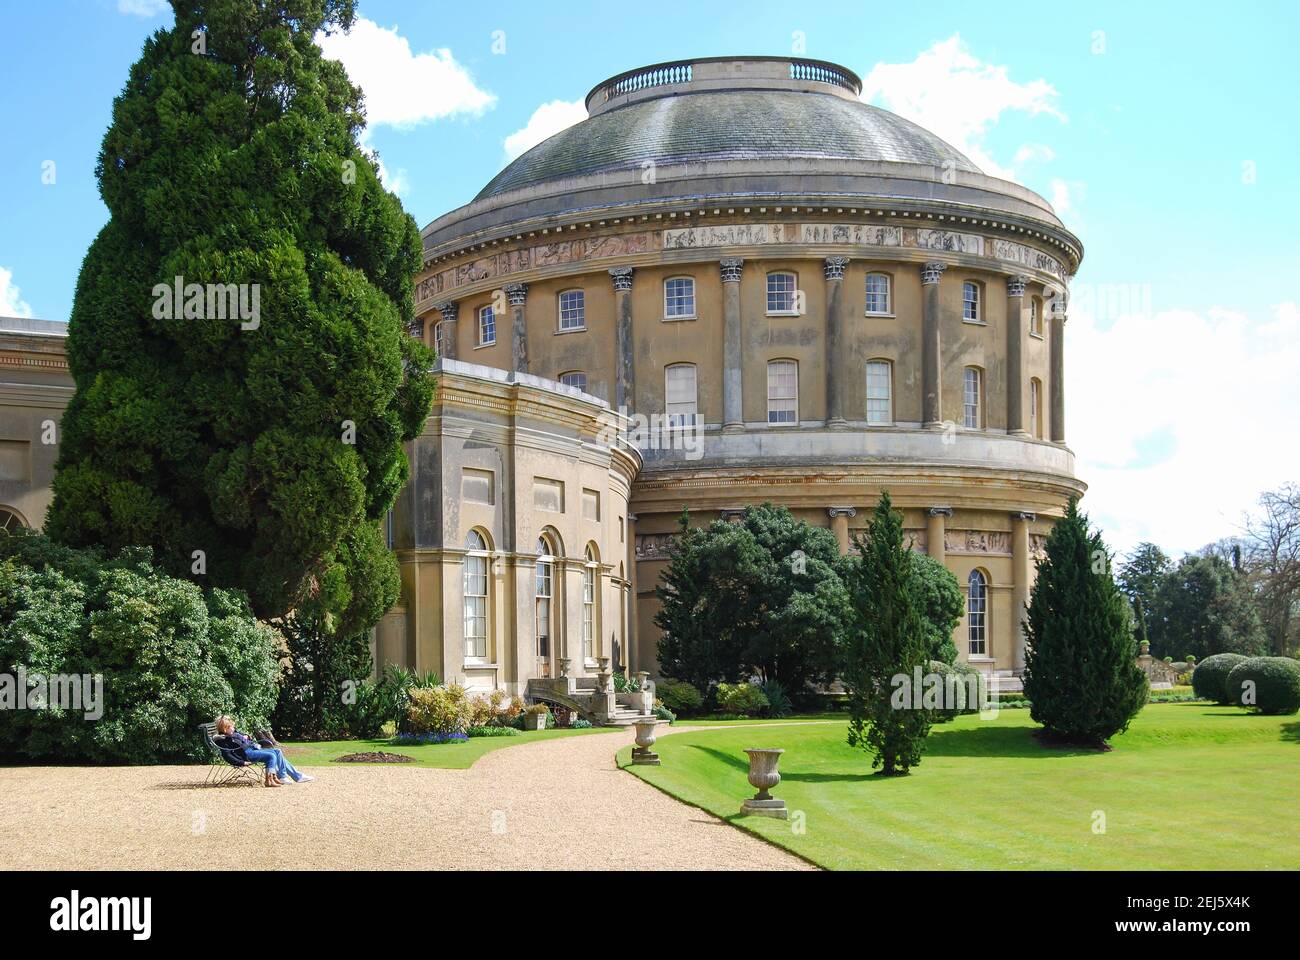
(931, 358)
(1015, 356)
(1022, 580)
(450, 311)
(835, 357)
(1058, 367)
(624, 369)
(517, 296)
(733, 420)
(840, 524)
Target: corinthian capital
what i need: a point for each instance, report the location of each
(516, 293)
(931, 270)
(833, 267)
(1016, 286)
(450, 310)
(622, 277)
(731, 269)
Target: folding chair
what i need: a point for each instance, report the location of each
(227, 769)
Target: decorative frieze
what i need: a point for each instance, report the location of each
(949, 241)
(655, 546)
(977, 541)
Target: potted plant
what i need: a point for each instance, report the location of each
(535, 717)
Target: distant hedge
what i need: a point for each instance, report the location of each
(1276, 685)
(1210, 678)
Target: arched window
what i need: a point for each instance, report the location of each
(878, 298)
(574, 378)
(573, 310)
(782, 391)
(545, 592)
(977, 606)
(487, 326)
(475, 582)
(679, 394)
(589, 605)
(972, 398)
(782, 294)
(1036, 408)
(880, 399)
(10, 521)
(970, 302)
(679, 298)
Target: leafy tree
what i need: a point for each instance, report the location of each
(942, 605)
(259, 451)
(170, 654)
(762, 595)
(1140, 577)
(1080, 673)
(887, 639)
(1202, 607)
(1273, 559)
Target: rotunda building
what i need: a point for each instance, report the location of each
(770, 291)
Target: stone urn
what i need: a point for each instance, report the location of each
(763, 776)
(1144, 648)
(643, 679)
(564, 667)
(645, 739)
(602, 664)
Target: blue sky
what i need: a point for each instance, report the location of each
(1165, 133)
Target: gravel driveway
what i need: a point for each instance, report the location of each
(557, 804)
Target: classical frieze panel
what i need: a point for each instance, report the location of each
(977, 541)
(655, 546)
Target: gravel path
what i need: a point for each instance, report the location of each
(557, 804)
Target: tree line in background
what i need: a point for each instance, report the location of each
(1240, 595)
(769, 596)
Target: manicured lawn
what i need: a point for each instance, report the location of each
(1189, 786)
(447, 756)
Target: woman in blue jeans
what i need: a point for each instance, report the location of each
(248, 749)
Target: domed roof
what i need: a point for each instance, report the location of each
(696, 120)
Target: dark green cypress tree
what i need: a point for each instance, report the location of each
(1080, 670)
(887, 640)
(262, 450)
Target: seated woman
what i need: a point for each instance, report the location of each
(244, 747)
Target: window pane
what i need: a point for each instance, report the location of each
(970, 301)
(679, 297)
(877, 293)
(878, 393)
(487, 326)
(971, 398)
(573, 310)
(575, 379)
(780, 293)
(782, 392)
(679, 394)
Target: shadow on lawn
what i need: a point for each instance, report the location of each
(1291, 731)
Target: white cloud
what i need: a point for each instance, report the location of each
(1034, 153)
(143, 8)
(403, 89)
(11, 303)
(1065, 196)
(546, 121)
(1180, 418)
(957, 96)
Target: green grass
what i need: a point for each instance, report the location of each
(446, 756)
(1189, 786)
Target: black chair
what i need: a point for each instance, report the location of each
(227, 769)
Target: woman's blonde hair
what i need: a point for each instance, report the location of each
(223, 722)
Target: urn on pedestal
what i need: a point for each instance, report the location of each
(763, 776)
(645, 739)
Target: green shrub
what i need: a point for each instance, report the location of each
(492, 731)
(1275, 681)
(495, 709)
(1210, 678)
(956, 680)
(778, 704)
(382, 703)
(169, 654)
(663, 713)
(439, 710)
(679, 696)
(744, 699)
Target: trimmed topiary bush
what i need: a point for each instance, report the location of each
(1268, 685)
(1210, 678)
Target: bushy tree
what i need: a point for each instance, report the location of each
(257, 451)
(886, 639)
(1202, 607)
(170, 655)
(1080, 671)
(1140, 576)
(761, 595)
(942, 605)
